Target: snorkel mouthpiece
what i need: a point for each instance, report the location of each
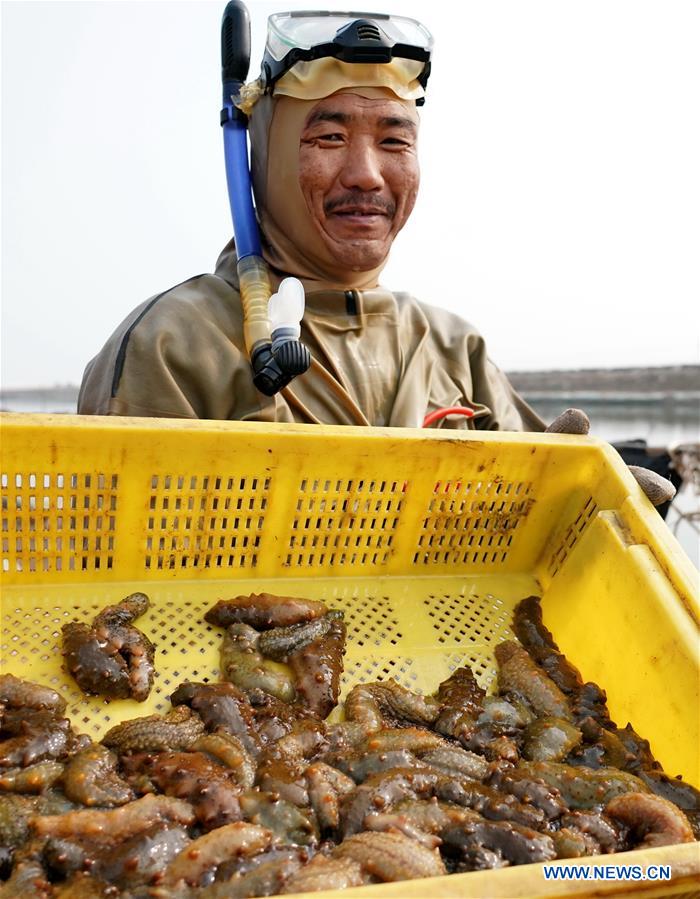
(275, 358)
(286, 355)
(286, 310)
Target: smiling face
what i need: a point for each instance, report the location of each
(359, 176)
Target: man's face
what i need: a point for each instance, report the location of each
(358, 172)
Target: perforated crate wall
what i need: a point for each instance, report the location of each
(58, 521)
(110, 499)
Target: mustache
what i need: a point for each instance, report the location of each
(359, 201)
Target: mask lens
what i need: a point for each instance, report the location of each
(303, 31)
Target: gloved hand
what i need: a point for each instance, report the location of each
(571, 421)
(657, 489)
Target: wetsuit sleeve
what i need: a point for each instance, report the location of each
(176, 356)
(140, 381)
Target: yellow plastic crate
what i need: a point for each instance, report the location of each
(426, 539)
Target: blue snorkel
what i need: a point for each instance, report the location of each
(272, 324)
(275, 358)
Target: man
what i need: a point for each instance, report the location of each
(335, 176)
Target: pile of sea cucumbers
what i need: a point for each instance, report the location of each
(244, 789)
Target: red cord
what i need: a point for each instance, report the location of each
(439, 414)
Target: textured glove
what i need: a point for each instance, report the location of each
(571, 421)
(657, 489)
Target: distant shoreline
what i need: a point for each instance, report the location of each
(679, 384)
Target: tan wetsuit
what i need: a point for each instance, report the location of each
(380, 358)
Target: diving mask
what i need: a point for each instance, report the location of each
(352, 37)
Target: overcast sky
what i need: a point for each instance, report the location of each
(560, 200)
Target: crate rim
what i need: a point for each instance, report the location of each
(208, 426)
